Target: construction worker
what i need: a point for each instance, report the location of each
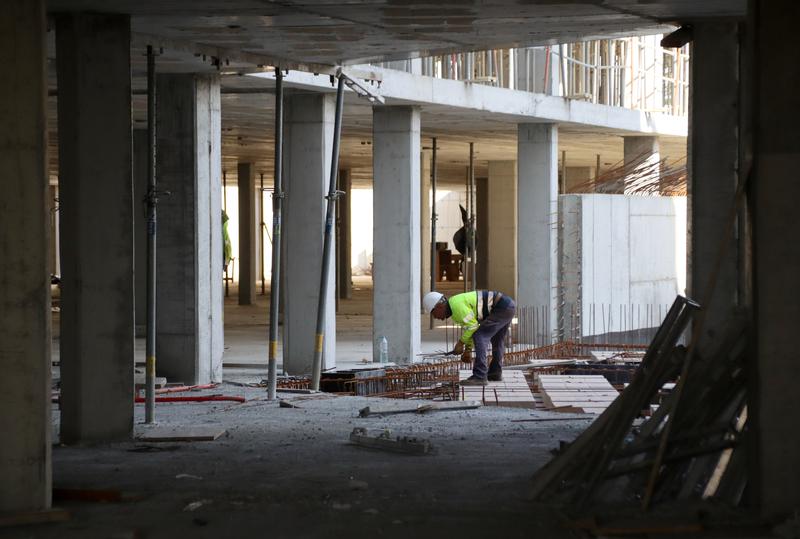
(485, 316)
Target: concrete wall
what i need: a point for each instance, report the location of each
(619, 251)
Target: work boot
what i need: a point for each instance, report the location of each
(496, 377)
(474, 381)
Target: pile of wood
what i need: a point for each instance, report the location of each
(690, 449)
(590, 394)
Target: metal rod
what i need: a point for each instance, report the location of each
(433, 221)
(277, 211)
(225, 210)
(333, 194)
(150, 344)
(465, 259)
(471, 230)
(263, 226)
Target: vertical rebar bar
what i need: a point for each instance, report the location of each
(277, 215)
(328, 239)
(150, 344)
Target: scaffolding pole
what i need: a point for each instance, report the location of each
(277, 211)
(152, 200)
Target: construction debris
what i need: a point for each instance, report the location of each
(385, 442)
(685, 453)
(419, 408)
(590, 394)
(179, 433)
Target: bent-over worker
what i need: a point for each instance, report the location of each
(485, 316)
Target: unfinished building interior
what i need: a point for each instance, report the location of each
(218, 222)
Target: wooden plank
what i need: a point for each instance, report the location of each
(165, 433)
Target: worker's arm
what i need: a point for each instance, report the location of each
(464, 317)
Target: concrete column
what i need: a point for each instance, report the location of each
(140, 149)
(395, 240)
(95, 175)
(481, 231)
(643, 151)
(501, 240)
(307, 158)
(25, 283)
(246, 182)
(425, 221)
(537, 151)
(713, 172)
(189, 249)
(775, 392)
(343, 241)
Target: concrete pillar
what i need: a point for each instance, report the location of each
(246, 187)
(537, 153)
(140, 149)
(642, 150)
(25, 283)
(396, 241)
(425, 221)
(189, 247)
(775, 392)
(501, 240)
(344, 273)
(307, 158)
(95, 175)
(713, 172)
(481, 231)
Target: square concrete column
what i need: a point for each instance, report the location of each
(395, 236)
(537, 165)
(642, 152)
(425, 220)
(713, 156)
(25, 283)
(501, 237)
(775, 390)
(189, 245)
(246, 180)
(308, 142)
(95, 175)
(481, 231)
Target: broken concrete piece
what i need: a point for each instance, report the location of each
(384, 441)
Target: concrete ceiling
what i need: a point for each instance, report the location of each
(353, 31)
(238, 36)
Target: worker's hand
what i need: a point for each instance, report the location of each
(466, 356)
(459, 348)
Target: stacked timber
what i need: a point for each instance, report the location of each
(590, 394)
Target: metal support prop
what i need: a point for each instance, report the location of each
(152, 200)
(465, 260)
(263, 226)
(330, 216)
(225, 209)
(471, 212)
(277, 211)
(433, 221)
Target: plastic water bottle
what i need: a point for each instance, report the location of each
(383, 349)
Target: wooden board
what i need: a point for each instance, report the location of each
(139, 381)
(204, 433)
(32, 517)
(513, 391)
(590, 393)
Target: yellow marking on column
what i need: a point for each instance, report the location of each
(320, 338)
(150, 366)
(273, 349)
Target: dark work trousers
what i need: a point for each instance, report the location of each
(493, 329)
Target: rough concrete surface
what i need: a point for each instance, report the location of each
(290, 472)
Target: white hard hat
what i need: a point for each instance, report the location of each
(430, 300)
